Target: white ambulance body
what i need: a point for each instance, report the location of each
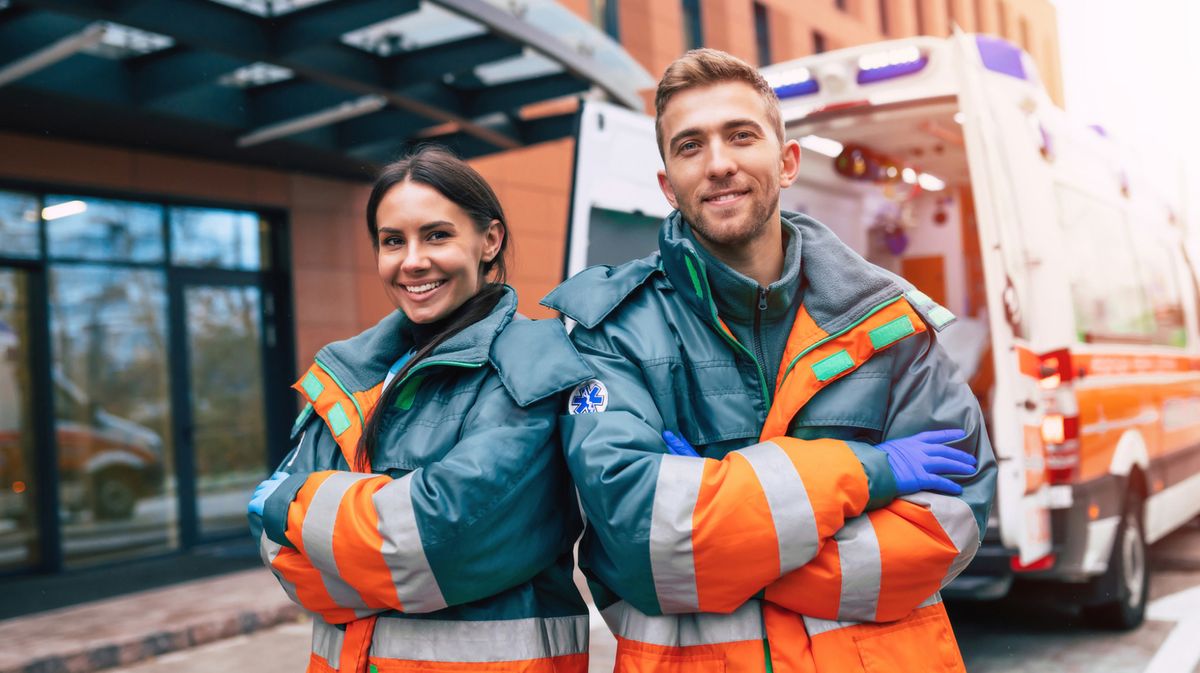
(945, 161)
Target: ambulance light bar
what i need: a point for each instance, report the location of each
(793, 83)
(883, 65)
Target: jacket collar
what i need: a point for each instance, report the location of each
(362, 361)
(737, 295)
(835, 284)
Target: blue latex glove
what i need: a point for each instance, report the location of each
(264, 491)
(920, 461)
(678, 446)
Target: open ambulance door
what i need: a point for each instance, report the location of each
(1022, 498)
(616, 205)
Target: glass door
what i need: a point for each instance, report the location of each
(19, 529)
(224, 427)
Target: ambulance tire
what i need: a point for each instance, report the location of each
(1125, 586)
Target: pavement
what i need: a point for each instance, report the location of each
(140, 626)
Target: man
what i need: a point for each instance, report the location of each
(796, 375)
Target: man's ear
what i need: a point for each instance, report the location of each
(668, 191)
(789, 163)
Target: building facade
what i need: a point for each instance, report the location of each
(161, 303)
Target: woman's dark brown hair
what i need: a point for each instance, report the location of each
(454, 179)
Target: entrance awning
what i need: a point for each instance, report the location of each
(335, 87)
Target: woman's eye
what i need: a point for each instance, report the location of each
(438, 235)
(393, 241)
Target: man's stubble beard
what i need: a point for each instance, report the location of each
(744, 232)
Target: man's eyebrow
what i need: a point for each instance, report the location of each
(731, 124)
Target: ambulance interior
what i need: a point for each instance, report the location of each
(892, 182)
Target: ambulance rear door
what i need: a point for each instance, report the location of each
(997, 132)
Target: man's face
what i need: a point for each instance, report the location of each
(724, 162)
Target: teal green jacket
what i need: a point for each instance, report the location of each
(468, 515)
(670, 534)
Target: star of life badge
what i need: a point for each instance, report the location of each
(589, 397)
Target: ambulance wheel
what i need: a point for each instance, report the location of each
(1124, 589)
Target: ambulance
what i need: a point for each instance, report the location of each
(945, 161)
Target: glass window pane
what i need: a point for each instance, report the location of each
(230, 239)
(103, 230)
(1110, 301)
(18, 225)
(18, 487)
(113, 415)
(229, 434)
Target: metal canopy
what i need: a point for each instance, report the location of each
(335, 87)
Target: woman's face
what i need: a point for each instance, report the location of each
(430, 254)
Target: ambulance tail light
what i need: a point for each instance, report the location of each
(1055, 369)
(1060, 436)
(1044, 563)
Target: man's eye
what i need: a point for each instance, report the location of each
(689, 146)
(743, 135)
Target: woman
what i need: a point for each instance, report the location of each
(425, 513)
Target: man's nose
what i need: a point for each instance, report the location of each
(721, 162)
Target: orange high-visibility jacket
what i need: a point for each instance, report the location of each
(455, 553)
(784, 549)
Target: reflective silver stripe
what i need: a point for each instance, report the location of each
(317, 535)
(955, 517)
(791, 511)
(268, 549)
(816, 627)
(862, 570)
(671, 562)
(327, 642)
(402, 549)
(479, 642)
(700, 628)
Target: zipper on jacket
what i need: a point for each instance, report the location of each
(759, 355)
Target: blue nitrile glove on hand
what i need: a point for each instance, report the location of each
(264, 491)
(678, 446)
(920, 461)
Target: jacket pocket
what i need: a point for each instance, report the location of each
(925, 644)
(851, 408)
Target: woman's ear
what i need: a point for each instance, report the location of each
(493, 238)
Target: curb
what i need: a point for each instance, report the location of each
(140, 648)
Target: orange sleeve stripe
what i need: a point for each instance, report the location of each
(733, 535)
(310, 588)
(915, 555)
(357, 544)
(833, 477)
(815, 589)
(299, 508)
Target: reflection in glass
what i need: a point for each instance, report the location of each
(18, 488)
(103, 230)
(227, 402)
(229, 239)
(18, 225)
(113, 417)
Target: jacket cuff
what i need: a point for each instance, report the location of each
(881, 480)
(275, 512)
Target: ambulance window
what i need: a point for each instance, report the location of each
(1160, 273)
(1106, 289)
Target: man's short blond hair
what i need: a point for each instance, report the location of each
(704, 67)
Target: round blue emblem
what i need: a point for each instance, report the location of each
(588, 397)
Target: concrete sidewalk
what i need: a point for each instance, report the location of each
(121, 631)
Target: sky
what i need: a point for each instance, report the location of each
(1134, 68)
